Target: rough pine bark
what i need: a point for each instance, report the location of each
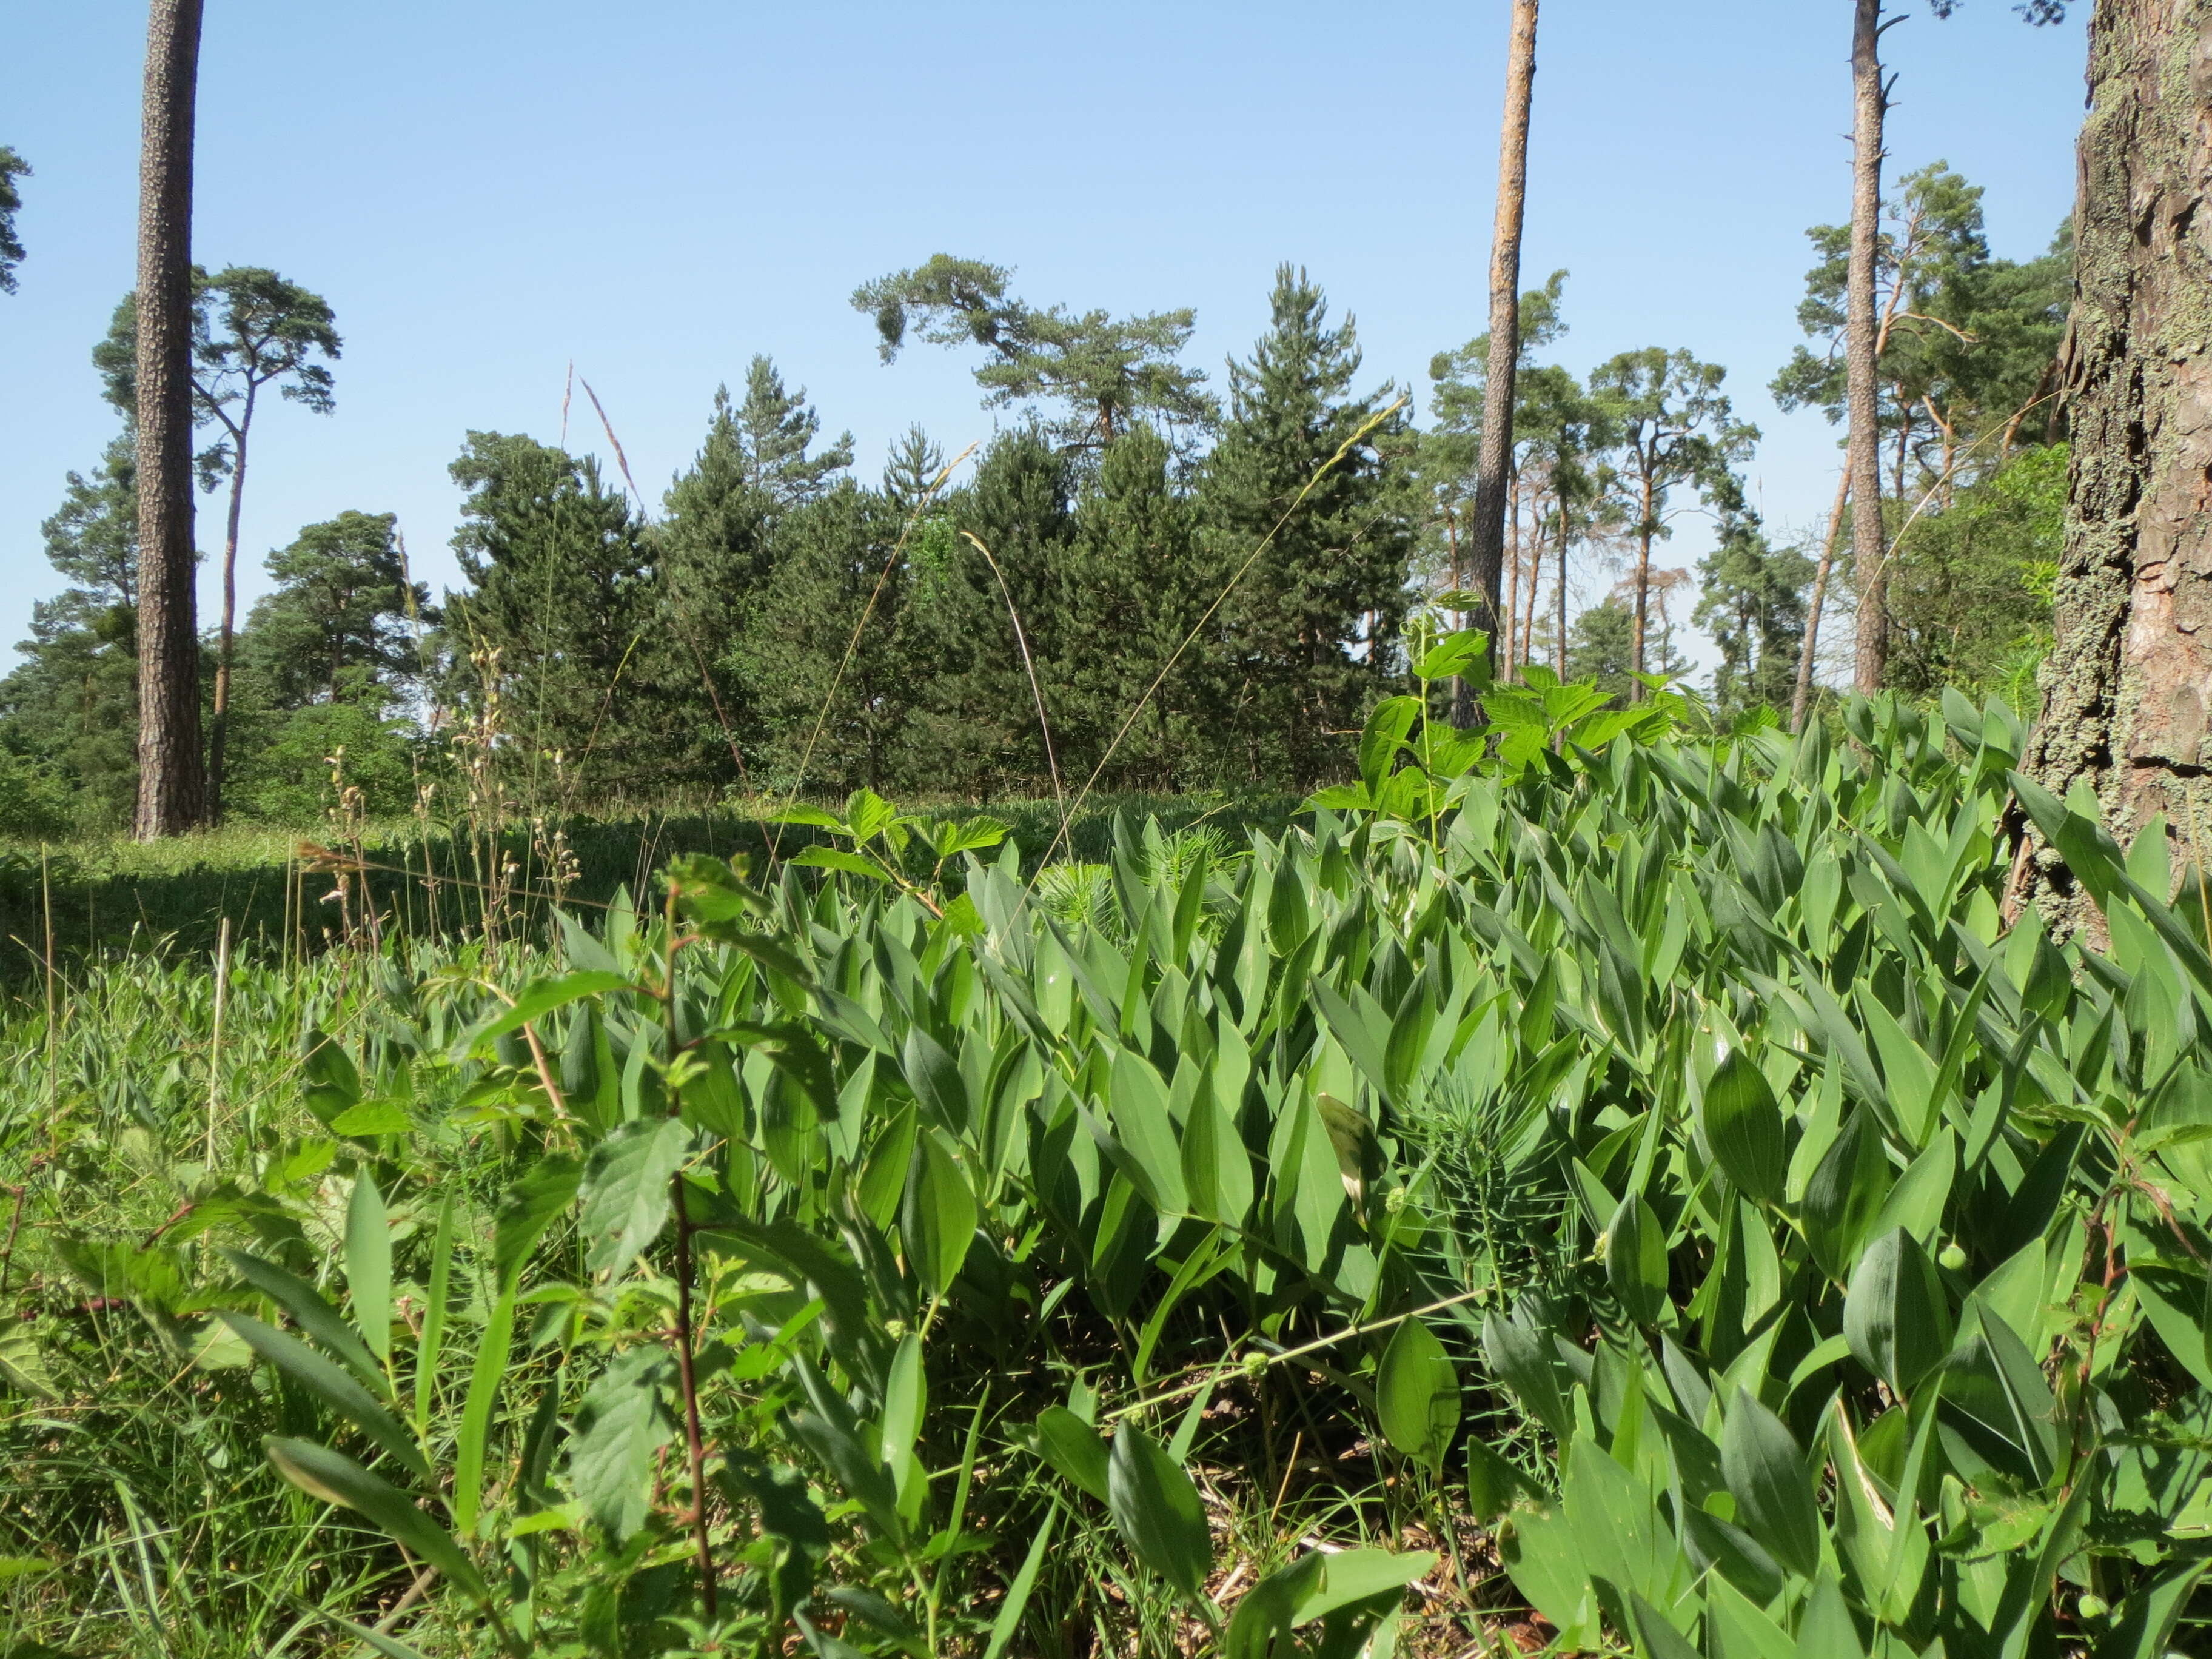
(171, 795)
(1862, 351)
(2128, 681)
(1486, 530)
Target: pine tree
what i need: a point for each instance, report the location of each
(916, 463)
(12, 167)
(714, 551)
(327, 662)
(1752, 604)
(561, 606)
(72, 703)
(832, 709)
(1309, 635)
(1107, 371)
(773, 429)
(975, 726)
(1131, 586)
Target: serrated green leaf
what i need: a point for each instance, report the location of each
(626, 1191)
(621, 1421)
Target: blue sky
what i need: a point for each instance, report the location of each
(486, 189)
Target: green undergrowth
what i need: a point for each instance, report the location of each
(113, 897)
(1592, 1182)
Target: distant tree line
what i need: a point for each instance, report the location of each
(1128, 537)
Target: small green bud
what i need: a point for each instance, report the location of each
(2092, 1607)
(1953, 1257)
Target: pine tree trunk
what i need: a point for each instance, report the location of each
(1802, 696)
(170, 781)
(2128, 681)
(1501, 645)
(1860, 350)
(1645, 529)
(1486, 531)
(1560, 599)
(219, 722)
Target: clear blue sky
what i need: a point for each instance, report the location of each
(487, 189)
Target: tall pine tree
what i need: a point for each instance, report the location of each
(1309, 634)
(562, 609)
(1133, 585)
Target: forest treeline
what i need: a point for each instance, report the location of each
(779, 619)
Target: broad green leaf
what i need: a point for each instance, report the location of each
(831, 1433)
(1417, 1394)
(368, 1265)
(1766, 1472)
(1147, 1131)
(1493, 1485)
(1217, 1171)
(1895, 1315)
(1993, 1378)
(1636, 1259)
(939, 1215)
(1908, 1075)
(935, 1077)
(838, 858)
(1846, 1194)
(1520, 1354)
(1737, 1627)
(1157, 1512)
(1916, 1203)
(1073, 1448)
(1268, 1613)
(906, 1397)
(1743, 1127)
(1539, 1553)
(1655, 1638)
(336, 1479)
(1366, 1040)
(539, 998)
(621, 1421)
(335, 1386)
(1359, 1575)
(626, 1191)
